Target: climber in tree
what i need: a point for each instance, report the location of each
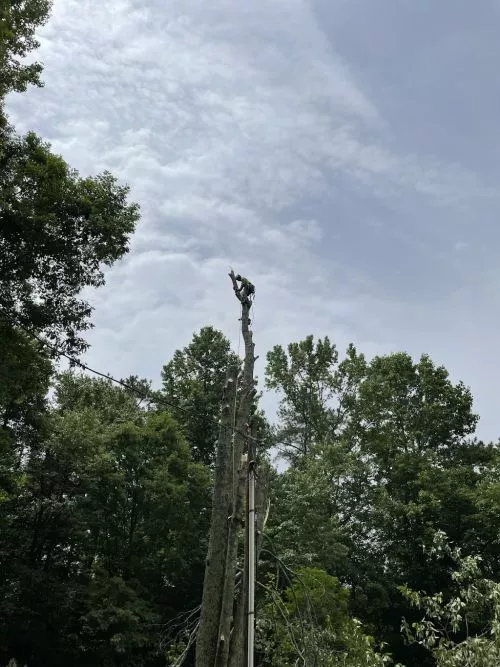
(246, 290)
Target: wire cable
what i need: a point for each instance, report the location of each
(154, 398)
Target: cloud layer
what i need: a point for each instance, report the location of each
(312, 145)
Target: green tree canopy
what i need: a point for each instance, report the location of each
(316, 392)
(18, 21)
(308, 624)
(104, 541)
(193, 381)
(390, 459)
(462, 625)
(57, 231)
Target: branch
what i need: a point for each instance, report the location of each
(243, 292)
(277, 602)
(235, 285)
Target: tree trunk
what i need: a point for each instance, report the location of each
(214, 633)
(211, 605)
(230, 573)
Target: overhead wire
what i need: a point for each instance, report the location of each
(153, 398)
(189, 622)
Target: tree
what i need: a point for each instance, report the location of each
(410, 425)
(302, 506)
(316, 392)
(308, 624)
(18, 22)
(383, 472)
(460, 627)
(221, 628)
(25, 372)
(193, 381)
(57, 230)
(104, 542)
(113, 403)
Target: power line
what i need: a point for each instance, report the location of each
(155, 398)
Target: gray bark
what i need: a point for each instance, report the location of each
(214, 633)
(207, 641)
(226, 620)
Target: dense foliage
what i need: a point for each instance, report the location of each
(103, 532)
(57, 230)
(193, 382)
(18, 22)
(397, 464)
(382, 544)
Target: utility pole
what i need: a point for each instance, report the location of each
(222, 630)
(251, 554)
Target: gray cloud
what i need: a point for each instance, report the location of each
(257, 135)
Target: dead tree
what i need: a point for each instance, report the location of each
(216, 633)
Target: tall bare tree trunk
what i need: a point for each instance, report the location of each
(214, 633)
(207, 642)
(226, 620)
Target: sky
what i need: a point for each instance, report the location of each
(342, 154)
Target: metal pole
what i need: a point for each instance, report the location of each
(251, 562)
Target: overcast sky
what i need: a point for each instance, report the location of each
(343, 154)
